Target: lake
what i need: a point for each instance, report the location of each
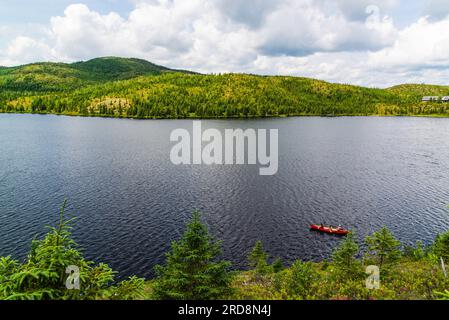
(131, 201)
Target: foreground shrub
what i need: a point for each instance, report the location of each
(441, 246)
(43, 274)
(301, 279)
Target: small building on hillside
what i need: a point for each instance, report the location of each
(430, 99)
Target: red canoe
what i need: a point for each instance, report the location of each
(329, 229)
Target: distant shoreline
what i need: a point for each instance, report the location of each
(232, 117)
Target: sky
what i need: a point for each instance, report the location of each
(376, 43)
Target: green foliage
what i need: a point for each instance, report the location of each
(443, 295)
(406, 280)
(441, 246)
(277, 265)
(352, 289)
(61, 77)
(114, 68)
(416, 253)
(300, 280)
(257, 259)
(43, 274)
(118, 87)
(345, 260)
(246, 287)
(383, 247)
(415, 280)
(130, 289)
(192, 270)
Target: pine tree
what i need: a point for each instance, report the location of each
(258, 259)
(277, 265)
(344, 257)
(192, 270)
(441, 246)
(383, 247)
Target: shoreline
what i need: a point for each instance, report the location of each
(233, 118)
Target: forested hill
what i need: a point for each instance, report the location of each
(135, 88)
(47, 76)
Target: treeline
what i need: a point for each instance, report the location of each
(178, 95)
(55, 269)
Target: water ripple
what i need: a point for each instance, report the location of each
(131, 202)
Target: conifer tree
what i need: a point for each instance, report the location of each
(441, 246)
(277, 265)
(257, 259)
(344, 257)
(192, 270)
(383, 247)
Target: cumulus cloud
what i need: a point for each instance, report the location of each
(424, 44)
(301, 28)
(26, 50)
(352, 41)
(82, 33)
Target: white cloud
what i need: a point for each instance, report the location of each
(423, 44)
(82, 33)
(189, 34)
(26, 50)
(300, 28)
(335, 40)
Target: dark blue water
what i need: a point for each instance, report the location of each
(131, 201)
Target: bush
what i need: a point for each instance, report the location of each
(301, 279)
(43, 274)
(441, 246)
(416, 253)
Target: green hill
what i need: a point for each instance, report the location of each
(420, 90)
(120, 87)
(112, 68)
(49, 76)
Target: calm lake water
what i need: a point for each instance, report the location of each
(131, 201)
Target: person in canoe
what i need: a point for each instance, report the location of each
(330, 229)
